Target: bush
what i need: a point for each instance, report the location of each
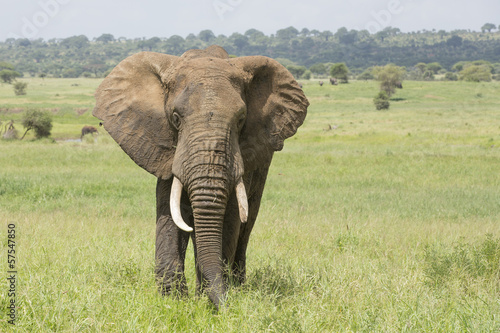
(476, 73)
(381, 101)
(318, 69)
(428, 75)
(366, 75)
(450, 76)
(306, 75)
(20, 88)
(39, 121)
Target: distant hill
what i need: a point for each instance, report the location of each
(78, 56)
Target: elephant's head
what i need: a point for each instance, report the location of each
(206, 120)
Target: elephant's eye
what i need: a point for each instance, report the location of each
(176, 120)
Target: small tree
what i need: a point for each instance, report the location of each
(20, 88)
(488, 26)
(39, 121)
(8, 75)
(340, 72)
(435, 67)
(390, 77)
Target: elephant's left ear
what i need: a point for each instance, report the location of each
(276, 107)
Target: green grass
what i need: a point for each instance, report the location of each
(69, 100)
(387, 223)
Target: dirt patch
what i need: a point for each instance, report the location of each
(433, 97)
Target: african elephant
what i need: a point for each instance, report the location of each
(88, 130)
(207, 127)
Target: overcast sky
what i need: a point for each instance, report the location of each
(147, 18)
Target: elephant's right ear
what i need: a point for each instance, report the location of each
(130, 102)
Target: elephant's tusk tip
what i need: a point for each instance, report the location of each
(187, 229)
(175, 205)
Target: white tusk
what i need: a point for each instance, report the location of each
(175, 205)
(241, 195)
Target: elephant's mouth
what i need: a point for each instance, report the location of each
(175, 203)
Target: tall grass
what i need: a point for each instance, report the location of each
(387, 223)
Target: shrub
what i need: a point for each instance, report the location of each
(428, 75)
(366, 75)
(476, 73)
(319, 69)
(39, 121)
(20, 88)
(381, 101)
(306, 75)
(450, 76)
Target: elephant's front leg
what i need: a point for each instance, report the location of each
(256, 188)
(171, 243)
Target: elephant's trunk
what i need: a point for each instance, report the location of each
(210, 174)
(209, 198)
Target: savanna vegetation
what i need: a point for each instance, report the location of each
(372, 221)
(78, 56)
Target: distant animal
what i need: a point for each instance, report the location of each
(330, 127)
(87, 130)
(333, 81)
(399, 85)
(321, 83)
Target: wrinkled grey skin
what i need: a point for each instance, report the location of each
(210, 121)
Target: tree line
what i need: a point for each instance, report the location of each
(78, 56)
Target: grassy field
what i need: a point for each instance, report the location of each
(388, 222)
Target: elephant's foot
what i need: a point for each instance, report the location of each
(238, 272)
(175, 285)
